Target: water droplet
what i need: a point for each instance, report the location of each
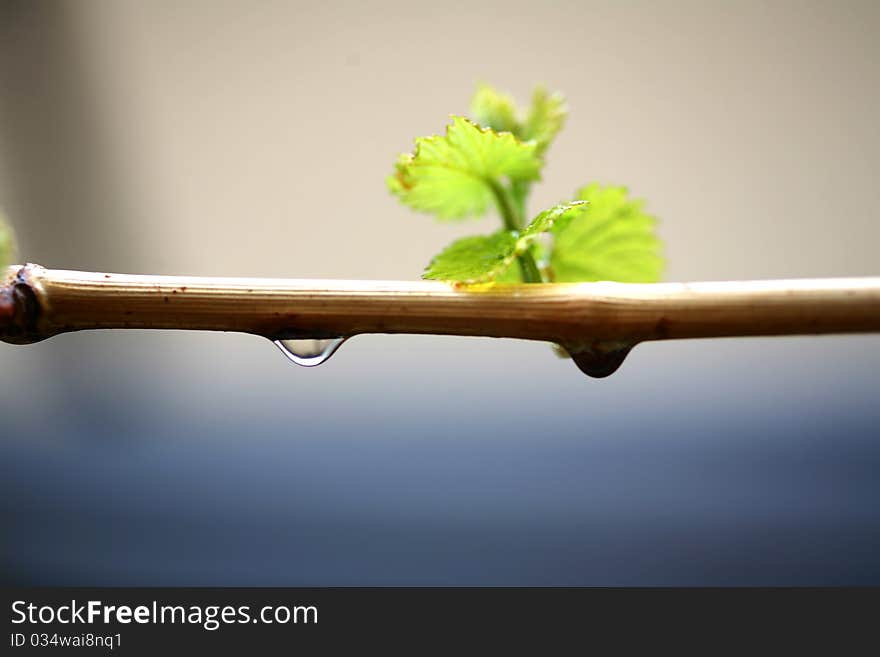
(309, 352)
(599, 363)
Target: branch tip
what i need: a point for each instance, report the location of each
(20, 308)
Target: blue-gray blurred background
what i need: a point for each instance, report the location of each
(252, 139)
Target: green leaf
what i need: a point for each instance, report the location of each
(474, 259)
(453, 175)
(489, 257)
(613, 239)
(512, 274)
(562, 214)
(546, 118)
(496, 110)
(7, 242)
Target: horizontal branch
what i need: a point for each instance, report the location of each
(37, 303)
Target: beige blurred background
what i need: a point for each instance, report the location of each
(252, 138)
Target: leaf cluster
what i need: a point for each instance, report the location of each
(491, 161)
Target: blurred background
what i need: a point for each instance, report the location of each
(253, 138)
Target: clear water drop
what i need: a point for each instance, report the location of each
(309, 352)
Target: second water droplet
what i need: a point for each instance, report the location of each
(309, 352)
(597, 360)
(598, 364)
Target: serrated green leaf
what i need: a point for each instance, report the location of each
(474, 259)
(492, 109)
(546, 115)
(563, 213)
(489, 257)
(612, 239)
(453, 175)
(545, 119)
(511, 274)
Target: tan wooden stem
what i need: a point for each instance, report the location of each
(37, 303)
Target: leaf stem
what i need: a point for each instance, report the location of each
(505, 207)
(529, 268)
(514, 220)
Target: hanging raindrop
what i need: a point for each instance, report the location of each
(309, 352)
(598, 362)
